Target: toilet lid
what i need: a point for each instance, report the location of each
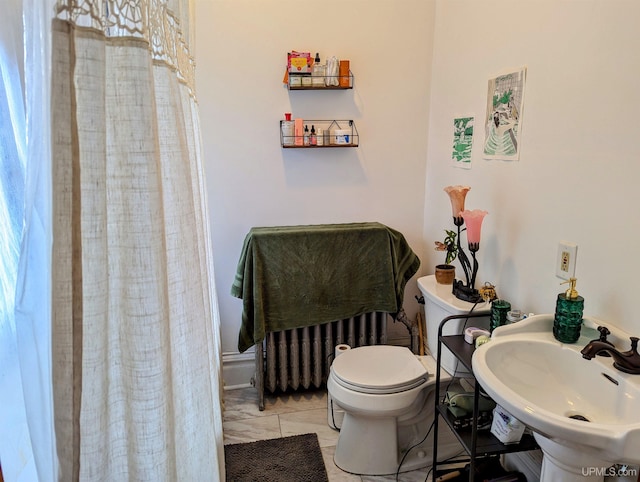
(379, 369)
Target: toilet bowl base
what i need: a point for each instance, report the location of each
(378, 456)
(382, 455)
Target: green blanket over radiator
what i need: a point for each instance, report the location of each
(295, 276)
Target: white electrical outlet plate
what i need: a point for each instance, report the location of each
(566, 260)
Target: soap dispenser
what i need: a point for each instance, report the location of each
(568, 317)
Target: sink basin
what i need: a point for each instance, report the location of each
(585, 406)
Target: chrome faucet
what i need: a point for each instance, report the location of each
(627, 361)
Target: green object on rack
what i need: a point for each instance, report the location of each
(461, 403)
(499, 310)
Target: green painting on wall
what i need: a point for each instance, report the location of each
(462, 142)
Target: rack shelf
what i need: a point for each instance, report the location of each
(486, 443)
(477, 443)
(331, 138)
(294, 85)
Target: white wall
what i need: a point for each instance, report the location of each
(576, 179)
(252, 181)
(578, 173)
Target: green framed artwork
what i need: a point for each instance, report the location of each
(462, 142)
(503, 122)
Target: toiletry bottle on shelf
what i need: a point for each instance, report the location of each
(298, 132)
(288, 138)
(343, 69)
(306, 135)
(568, 317)
(317, 72)
(312, 137)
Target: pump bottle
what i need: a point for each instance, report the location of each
(568, 317)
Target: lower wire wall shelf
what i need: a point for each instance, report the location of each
(328, 134)
(478, 444)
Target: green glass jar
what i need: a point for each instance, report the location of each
(568, 318)
(499, 310)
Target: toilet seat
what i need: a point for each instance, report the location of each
(379, 369)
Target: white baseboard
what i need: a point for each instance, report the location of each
(238, 369)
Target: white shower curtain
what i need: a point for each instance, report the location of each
(135, 344)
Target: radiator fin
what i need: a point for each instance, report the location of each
(301, 357)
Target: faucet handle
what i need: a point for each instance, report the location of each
(604, 332)
(633, 352)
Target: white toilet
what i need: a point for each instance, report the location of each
(439, 303)
(387, 395)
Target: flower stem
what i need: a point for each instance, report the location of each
(475, 270)
(464, 260)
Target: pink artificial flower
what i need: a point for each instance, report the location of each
(473, 220)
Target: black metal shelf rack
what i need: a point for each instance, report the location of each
(477, 443)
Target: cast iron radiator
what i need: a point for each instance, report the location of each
(300, 358)
(293, 279)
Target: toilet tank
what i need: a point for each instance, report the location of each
(439, 303)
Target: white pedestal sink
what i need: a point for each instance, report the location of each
(585, 414)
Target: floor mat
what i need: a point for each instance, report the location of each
(288, 459)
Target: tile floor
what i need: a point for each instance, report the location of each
(292, 414)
